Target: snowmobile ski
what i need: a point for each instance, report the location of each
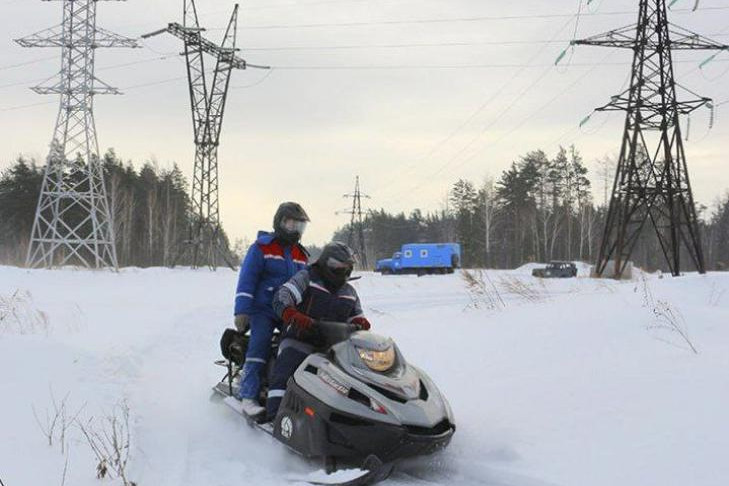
(372, 471)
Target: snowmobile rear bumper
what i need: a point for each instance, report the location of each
(315, 429)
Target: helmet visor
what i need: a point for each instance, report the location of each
(340, 269)
(293, 226)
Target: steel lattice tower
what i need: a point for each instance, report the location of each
(356, 224)
(72, 220)
(208, 107)
(651, 182)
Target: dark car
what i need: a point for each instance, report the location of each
(556, 270)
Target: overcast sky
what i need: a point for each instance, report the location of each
(408, 94)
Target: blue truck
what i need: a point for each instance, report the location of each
(422, 259)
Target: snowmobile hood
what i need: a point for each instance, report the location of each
(400, 395)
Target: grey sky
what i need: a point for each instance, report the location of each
(460, 93)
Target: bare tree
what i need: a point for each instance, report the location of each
(58, 420)
(489, 206)
(110, 440)
(665, 317)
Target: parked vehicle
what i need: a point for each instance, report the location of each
(422, 259)
(556, 270)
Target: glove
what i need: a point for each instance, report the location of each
(296, 318)
(362, 323)
(241, 322)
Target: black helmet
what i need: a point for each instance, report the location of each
(289, 222)
(335, 264)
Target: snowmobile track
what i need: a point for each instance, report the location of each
(374, 470)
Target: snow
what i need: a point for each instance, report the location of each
(568, 382)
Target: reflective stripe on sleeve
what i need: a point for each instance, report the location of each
(294, 290)
(255, 360)
(243, 294)
(317, 286)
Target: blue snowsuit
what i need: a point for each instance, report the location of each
(267, 265)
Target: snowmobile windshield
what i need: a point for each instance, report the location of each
(293, 226)
(377, 360)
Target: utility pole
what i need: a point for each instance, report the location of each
(208, 106)
(355, 237)
(651, 182)
(72, 220)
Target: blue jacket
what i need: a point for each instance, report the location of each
(267, 265)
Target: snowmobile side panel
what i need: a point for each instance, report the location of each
(314, 428)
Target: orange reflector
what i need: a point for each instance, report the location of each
(309, 411)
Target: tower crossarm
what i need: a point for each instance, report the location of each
(105, 38)
(51, 37)
(193, 36)
(683, 39)
(622, 102)
(56, 37)
(623, 37)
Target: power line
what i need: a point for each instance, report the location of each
(304, 68)
(431, 177)
(20, 107)
(447, 66)
(485, 18)
(406, 45)
(106, 68)
(27, 63)
(478, 110)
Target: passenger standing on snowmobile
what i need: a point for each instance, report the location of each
(320, 292)
(272, 260)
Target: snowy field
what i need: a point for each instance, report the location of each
(573, 382)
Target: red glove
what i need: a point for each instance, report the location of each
(362, 323)
(296, 318)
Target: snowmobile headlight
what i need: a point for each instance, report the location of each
(378, 360)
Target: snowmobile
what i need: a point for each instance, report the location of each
(359, 399)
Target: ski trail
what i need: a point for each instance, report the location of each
(448, 469)
(183, 434)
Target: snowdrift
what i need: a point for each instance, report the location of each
(576, 382)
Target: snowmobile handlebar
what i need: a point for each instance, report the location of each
(335, 332)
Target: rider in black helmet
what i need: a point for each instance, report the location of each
(320, 292)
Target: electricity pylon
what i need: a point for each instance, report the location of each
(208, 107)
(72, 220)
(355, 237)
(652, 182)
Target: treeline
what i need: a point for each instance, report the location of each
(539, 209)
(150, 210)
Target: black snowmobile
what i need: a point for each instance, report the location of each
(357, 400)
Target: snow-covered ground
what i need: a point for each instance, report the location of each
(573, 382)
